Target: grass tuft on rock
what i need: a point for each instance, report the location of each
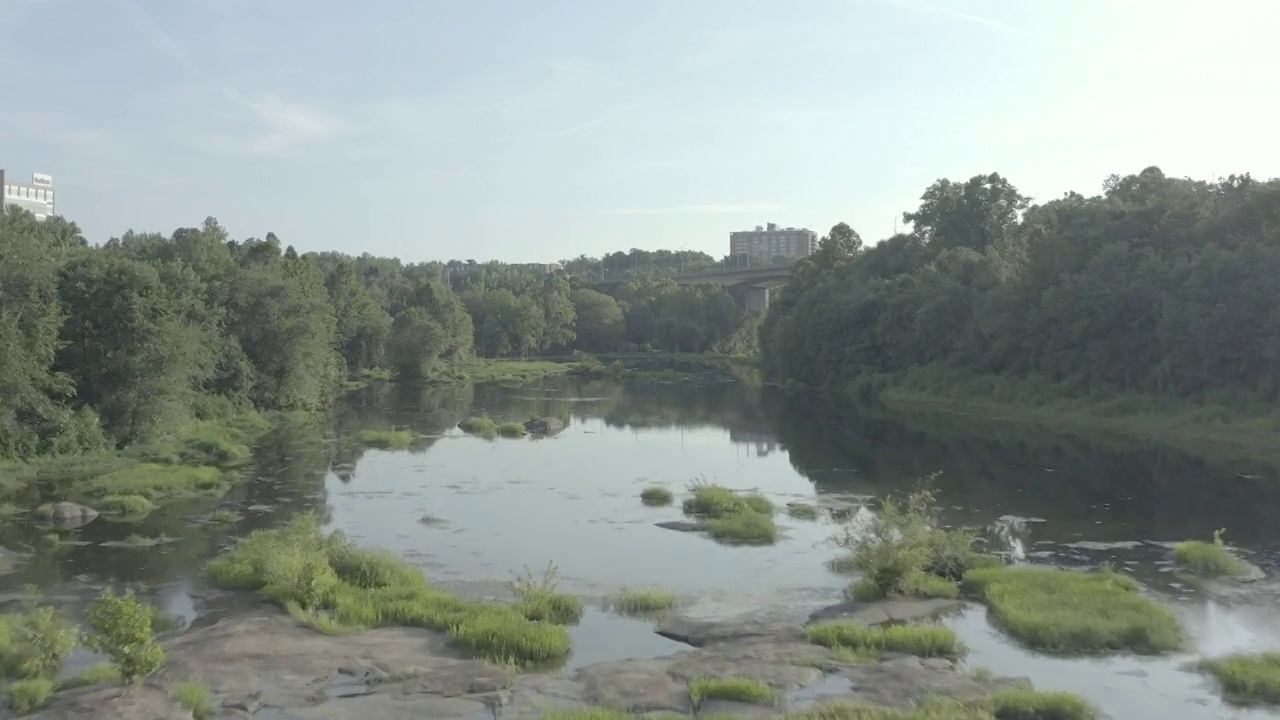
(639, 601)
(128, 506)
(512, 430)
(386, 439)
(734, 689)
(92, 675)
(1072, 612)
(656, 496)
(157, 482)
(539, 599)
(1248, 678)
(335, 587)
(193, 696)
(1039, 705)
(921, 640)
(1007, 705)
(480, 426)
(599, 713)
(802, 511)
(1208, 559)
(732, 519)
(746, 528)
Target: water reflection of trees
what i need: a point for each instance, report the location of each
(1147, 489)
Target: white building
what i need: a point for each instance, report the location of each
(35, 196)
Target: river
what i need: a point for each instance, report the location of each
(475, 511)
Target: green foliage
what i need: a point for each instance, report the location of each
(35, 644)
(1039, 705)
(656, 496)
(1208, 559)
(131, 506)
(538, 599)
(386, 439)
(732, 519)
(156, 482)
(904, 553)
(121, 629)
(735, 689)
(334, 587)
(30, 694)
(1065, 611)
(920, 640)
(92, 675)
(482, 426)
(1248, 677)
(193, 696)
(1155, 288)
(744, 528)
(802, 511)
(639, 601)
(511, 430)
(1002, 705)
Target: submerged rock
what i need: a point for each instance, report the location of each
(689, 526)
(66, 515)
(544, 426)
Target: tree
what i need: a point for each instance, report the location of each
(121, 628)
(600, 322)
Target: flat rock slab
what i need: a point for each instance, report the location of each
(887, 611)
(690, 526)
(709, 632)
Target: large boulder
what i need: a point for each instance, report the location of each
(66, 515)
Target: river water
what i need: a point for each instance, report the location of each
(474, 512)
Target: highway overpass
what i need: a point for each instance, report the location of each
(757, 282)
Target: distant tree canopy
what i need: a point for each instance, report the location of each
(1158, 285)
(120, 344)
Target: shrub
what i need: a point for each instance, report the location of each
(735, 689)
(386, 439)
(745, 528)
(538, 599)
(656, 496)
(122, 630)
(921, 640)
(1209, 559)
(208, 443)
(1248, 677)
(30, 694)
(36, 643)
(1067, 611)
(481, 426)
(156, 482)
(194, 696)
(334, 587)
(643, 600)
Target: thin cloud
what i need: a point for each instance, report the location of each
(708, 209)
(161, 40)
(982, 20)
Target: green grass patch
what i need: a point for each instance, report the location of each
(802, 511)
(512, 430)
(333, 586)
(28, 695)
(599, 713)
(92, 675)
(512, 371)
(1208, 559)
(193, 696)
(539, 599)
(746, 528)
(1070, 612)
(131, 506)
(656, 496)
(157, 482)
(1039, 705)
(638, 601)
(35, 643)
(922, 640)
(480, 426)
(1005, 705)
(386, 439)
(735, 689)
(1248, 678)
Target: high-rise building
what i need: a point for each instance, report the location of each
(36, 196)
(772, 241)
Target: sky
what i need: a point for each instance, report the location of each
(538, 131)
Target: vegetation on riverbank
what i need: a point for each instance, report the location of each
(921, 640)
(1248, 677)
(731, 518)
(386, 439)
(1208, 559)
(1074, 612)
(733, 689)
(329, 584)
(1137, 309)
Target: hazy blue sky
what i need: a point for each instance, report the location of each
(531, 131)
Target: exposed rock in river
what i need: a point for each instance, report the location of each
(691, 526)
(879, 613)
(544, 426)
(66, 515)
(264, 659)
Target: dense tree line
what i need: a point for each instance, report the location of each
(115, 345)
(1158, 285)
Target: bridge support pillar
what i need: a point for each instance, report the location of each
(757, 299)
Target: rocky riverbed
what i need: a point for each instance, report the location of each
(259, 663)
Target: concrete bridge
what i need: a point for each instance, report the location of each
(757, 282)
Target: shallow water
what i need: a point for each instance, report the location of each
(472, 511)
